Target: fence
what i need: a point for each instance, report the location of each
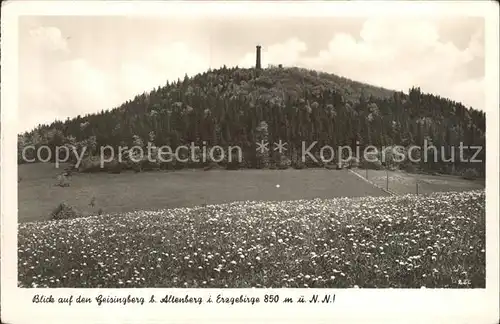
(400, 183)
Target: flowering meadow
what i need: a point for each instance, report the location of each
(408, 241)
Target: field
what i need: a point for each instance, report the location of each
(406, 241)
(120, 193)
(318, 228)
(401, 182)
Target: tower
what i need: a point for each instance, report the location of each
(257, 64)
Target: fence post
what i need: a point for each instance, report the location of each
(416, 182)
(387, 179)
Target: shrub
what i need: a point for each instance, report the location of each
(169, 165)
(90, 164)
(409, 167)
(296, 160)
(470, 174)
(318, 162)
(115, 167)
(135, 166)
(371, 165)
(63, 180)
(331, 166)
(352, 163)
(284, 163)
(92, 202)
(232, 162)
(65, 211)
(392, 167)
(148, 165)
(264, 81)
(298, 164)
(233, 165)
(393, 156)
(211, 166)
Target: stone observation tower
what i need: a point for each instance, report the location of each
(257, 64)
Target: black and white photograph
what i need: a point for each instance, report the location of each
(214, 151)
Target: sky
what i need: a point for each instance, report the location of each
(71, 66)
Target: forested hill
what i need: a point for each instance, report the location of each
(235, 106)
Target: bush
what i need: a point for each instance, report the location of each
(116, 168)
(319, 162)
(331, 165)
(392, 167)
(211, 166)
(63, 180)
(231, 161)
(264, 81)
(352, 163)
(284, 163)
(298, 165)
(65, 211)
(470, 174)
(233, 165)
(170, 165)
(409, 167)
(69, 169)
(371, 165)
(147, 165)
(90, 164)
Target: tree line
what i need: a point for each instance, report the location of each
(239, 107)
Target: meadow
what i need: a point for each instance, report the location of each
(129, 191)
(405, 241)
(401, 182)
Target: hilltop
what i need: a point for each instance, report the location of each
(235, 106)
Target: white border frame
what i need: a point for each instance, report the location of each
(374, 305)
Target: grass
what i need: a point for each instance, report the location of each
(435, 240)
(401, 182)
(121, 193)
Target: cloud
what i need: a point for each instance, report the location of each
(396, 54)
(286, 53)
(54, 83)
(48, 40)
(72, 87)
(400, 54)
(62, 76)
(68, 86)
(168, 62)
